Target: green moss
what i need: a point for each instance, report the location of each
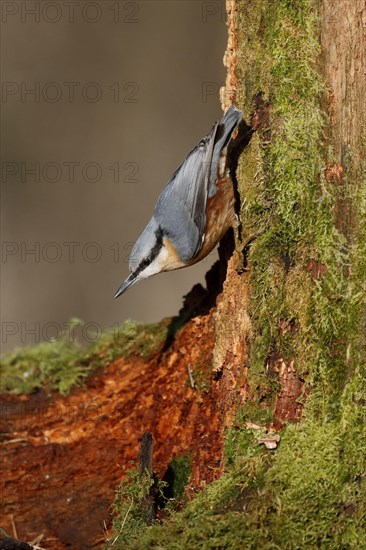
(128, 508)
(201, 374)
(309, 477)
(50, 364)
(144, 340)
(63, 364)
(181, 468)
(309, 493)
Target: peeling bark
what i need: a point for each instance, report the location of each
(288, 408)
(230, 353)
(228, 92)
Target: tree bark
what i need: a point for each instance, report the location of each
(269, 341)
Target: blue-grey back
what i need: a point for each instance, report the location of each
(181, 207)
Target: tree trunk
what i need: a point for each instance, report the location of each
(290, 323)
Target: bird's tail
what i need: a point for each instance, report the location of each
(224, 133)
(227, 126)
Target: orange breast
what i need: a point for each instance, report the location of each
(220, 216)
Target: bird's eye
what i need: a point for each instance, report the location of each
(146, 261)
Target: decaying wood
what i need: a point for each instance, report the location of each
(288, 407)
(62, 457)
(146, 454)
(230, 353)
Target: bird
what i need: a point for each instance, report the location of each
(193, 212)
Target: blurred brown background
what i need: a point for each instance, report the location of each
(101, 101)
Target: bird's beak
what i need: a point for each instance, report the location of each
(131, 280)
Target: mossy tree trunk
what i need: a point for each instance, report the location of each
(290, 323)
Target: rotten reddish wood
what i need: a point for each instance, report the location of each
(260, 117)
(62, 457)
(287, 407)
(317, 269)
(333, 172)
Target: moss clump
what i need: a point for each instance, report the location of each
(129, 524)
(128, 507)
(135, 338)
(52, 365)
(63, 364)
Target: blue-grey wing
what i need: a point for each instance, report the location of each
(181, 207)
(228, 124)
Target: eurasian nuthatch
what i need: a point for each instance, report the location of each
(194, 210)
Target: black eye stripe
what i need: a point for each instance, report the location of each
(153, 253)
